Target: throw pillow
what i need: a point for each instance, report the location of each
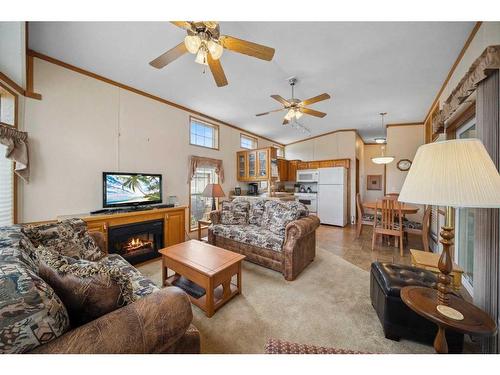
(87, 289)
(238, 204)
(68, 237)
(257, 212)
(234, 218)
(278, 214)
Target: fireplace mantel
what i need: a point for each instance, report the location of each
(174, 222)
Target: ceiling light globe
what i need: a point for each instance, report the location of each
(201, 57)
(380, 140)
(192, 43)
(289, 115)
(298, 114)
(383, 159)
(215, 49)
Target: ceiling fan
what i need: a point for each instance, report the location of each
(204, 40)
(296, 108)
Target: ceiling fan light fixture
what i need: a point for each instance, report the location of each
(215, 49)
(193, 43)
(298, 114)
(201, 56)
(290, 115)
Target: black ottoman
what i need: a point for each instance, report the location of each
(398, 320)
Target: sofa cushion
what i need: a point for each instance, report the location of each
(16, 247)
(68, 237)
(87, 289)
(250, 234)
(233, 217)
(256, 212)
(278, 214)
(31, 314)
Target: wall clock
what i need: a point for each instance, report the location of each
(404, 165)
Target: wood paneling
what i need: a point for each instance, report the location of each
(139, 92)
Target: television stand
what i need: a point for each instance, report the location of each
(109, 211)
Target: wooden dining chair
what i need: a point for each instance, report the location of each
(392, 196)
(422, 229)
(389, 223)
(363, 218)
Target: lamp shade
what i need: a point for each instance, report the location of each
(213, 191)
(456, 173)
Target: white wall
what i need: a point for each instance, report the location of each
(12, 51)
(339, 145)
(84, 126)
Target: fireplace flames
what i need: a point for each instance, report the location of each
(136, 244)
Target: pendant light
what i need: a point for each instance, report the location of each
(383, 159)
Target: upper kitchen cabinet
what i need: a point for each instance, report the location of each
(283, 169)
(256, 165)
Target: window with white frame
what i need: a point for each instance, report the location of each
(201, 206)
(280, 151)
(203, 134)
(248, 142)
(465, 227)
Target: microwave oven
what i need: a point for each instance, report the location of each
(307, 175)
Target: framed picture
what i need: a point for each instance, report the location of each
(237, 191)
(374, 182)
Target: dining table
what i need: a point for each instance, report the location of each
(405, 208)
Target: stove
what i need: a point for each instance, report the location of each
(310, 200)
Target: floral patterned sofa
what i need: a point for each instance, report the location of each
(274, 234)
(33, 318)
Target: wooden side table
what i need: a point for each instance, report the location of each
(424, 302)
(429, 261)
(205, 223)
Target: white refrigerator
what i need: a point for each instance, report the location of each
(332, 196)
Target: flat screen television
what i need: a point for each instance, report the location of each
(130, 189)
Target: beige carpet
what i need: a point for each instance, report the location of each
(328, 304)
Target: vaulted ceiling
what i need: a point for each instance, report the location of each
(367, 68)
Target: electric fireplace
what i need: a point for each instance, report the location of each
(136, 242)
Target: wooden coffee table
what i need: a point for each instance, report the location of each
(211, 267)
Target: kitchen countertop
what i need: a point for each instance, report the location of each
(278, 197)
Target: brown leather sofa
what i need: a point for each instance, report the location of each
(33, 318)
(157, 323)
(297, 252)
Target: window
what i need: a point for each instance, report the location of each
(201, 206)
(466, 224)
(7, 104)
(280, 151)
(203, 134)
(248, 142)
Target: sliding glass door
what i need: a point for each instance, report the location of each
(464, 248)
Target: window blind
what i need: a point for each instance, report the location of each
(6, 189)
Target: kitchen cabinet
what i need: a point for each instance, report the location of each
(283, 169)
(302, 165)
(312, 164)
(255, 165)
(292, 169)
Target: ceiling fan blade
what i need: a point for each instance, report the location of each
(312, 112)
(315, 99)
(217, 71)
(169, 56)
(282, 100)
(285, 121)
(266, 113)
(182, 24)
(247, 48)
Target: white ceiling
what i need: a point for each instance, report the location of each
(367, 68)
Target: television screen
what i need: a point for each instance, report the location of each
(130, 189)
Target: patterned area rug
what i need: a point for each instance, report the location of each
(328, 305)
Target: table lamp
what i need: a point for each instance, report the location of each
(455, 174)
(213, 191)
